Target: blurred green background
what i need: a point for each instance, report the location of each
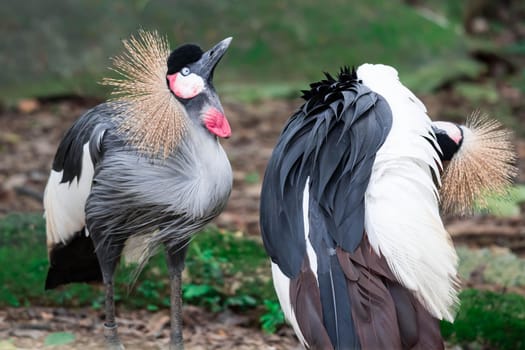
(62, 47)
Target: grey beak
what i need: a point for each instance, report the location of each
(209, 60)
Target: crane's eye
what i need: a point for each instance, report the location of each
(185, 71)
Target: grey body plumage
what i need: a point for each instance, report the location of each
(188, 188)
(133, 195)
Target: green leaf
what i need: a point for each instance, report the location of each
(12, 300)
(494, 320)
(242, 301)
(59, 338)
(96, 305)
(196, 290)
(152, 307)
(273, 318)
(252, 178)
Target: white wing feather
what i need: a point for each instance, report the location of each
(402, 217)
(282, 283)
(64, 203)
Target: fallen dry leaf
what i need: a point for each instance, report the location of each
(27, 105)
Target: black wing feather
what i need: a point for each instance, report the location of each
(332, 139)
(69, 154)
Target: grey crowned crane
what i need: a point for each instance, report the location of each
(142, 171)
(350, 211)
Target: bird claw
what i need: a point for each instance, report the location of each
(112, 339)
(176, 346)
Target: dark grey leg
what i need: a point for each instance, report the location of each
(176, 341)
(110, 325)
(103, 219)
(175, 258)
(108, 259)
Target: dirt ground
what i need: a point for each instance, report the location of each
(139, 330)
(29, 135)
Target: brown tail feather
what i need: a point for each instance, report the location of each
(419, 329)
(306, 303)
(386, 315)
(406, 314)
(429, 330)
(373, 309)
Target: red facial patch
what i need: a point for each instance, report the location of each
(217, 123)
(185, 86)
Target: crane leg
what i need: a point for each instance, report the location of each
(175, 258)
(110, 325)
(108, 259)
(103, 222)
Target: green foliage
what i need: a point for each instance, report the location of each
(226, 270)
(259, 91)
(23, 257)
(490, 319)
(223, 270)
(194, 291)
(506, 205)
(438, 72)
(242, 301)
(273, 317)
(59, 338)
(276, 44)
(477, 93)
(499, 267)
(252, 178)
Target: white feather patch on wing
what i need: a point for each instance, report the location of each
(310, 252)
(281, 284)
(64, 203)
(402, 216)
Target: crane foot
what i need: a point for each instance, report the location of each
(112, 339)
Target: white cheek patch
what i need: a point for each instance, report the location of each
(186, 86)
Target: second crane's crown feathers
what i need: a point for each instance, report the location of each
(151, 117)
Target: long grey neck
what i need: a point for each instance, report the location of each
(207, 173)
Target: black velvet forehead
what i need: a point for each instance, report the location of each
(182, 56)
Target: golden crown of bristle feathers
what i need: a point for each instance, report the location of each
(148, 113)
(484, 165)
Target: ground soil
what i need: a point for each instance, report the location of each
(139, 330)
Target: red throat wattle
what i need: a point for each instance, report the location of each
(217, 123)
